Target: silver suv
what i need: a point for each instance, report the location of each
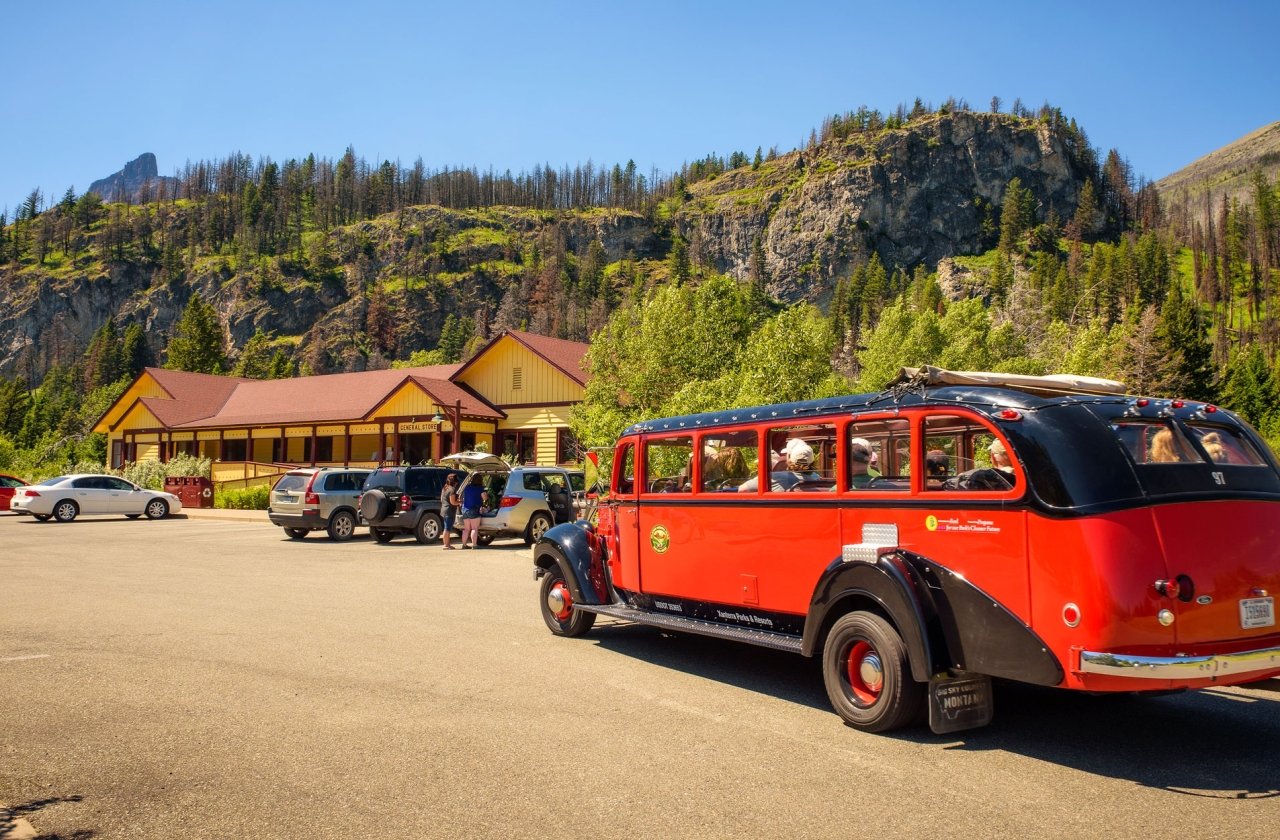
(523, 501)
(316, 499)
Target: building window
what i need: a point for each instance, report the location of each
(235, 450)
(517, 379)
(566, 447)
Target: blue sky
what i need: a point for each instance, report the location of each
(89, 85)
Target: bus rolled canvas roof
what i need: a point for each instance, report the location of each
(1058, 383)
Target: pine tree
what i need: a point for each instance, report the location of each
(136, 353)
(196, 344)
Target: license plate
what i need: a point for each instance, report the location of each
(285, 497)
(1257, 612)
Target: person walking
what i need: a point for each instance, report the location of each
(449, 507)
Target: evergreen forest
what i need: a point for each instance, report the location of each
(1171, 301)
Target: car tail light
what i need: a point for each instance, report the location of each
(405, 502)
(510, 501)
(31, 494)
(308, 496)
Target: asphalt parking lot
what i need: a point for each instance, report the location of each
(207, 678)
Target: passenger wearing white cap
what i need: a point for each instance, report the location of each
(799, 469)
(875, 458)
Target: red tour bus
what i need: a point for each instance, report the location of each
(953, 528)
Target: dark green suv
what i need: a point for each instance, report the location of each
(404, 500)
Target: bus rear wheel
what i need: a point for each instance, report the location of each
(868, 676)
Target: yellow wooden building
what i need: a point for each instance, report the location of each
(512, 397)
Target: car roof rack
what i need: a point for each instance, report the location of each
(1058, 384)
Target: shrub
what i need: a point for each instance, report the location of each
(252, 498)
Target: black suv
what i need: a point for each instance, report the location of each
(404, 500)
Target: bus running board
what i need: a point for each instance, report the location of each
(763, 638)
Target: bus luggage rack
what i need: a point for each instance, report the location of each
(763, 638)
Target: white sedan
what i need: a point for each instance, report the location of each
(68, 496)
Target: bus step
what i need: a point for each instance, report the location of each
(763, 638)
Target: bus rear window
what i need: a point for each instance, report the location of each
(1226, 446)
(1155, 443)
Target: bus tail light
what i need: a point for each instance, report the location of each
(1070, 615)
(1010, 414)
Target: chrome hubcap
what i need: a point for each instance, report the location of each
(871, 671)
(558, 601)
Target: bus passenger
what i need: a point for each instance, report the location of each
(1163, 449)
(875, 459)
(799, 469)
(859, 465)
(937, 464)
(1000, 460)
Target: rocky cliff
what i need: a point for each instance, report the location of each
(371, 291)
(139, 182)
(913, 196)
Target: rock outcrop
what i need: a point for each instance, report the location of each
(138, 183)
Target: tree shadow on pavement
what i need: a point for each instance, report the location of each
(9, 817)
(1219, 742)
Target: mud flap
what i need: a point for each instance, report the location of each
(958, 703)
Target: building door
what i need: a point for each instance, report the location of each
(415, 448)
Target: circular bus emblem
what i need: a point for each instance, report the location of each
(660, 539)
(931, 522)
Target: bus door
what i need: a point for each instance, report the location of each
(619, 520)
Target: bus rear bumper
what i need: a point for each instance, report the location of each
(1224, 666)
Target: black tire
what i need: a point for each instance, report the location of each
(296, 533)
(556, 604)
(374, 506)
(41, 517)
(157, 509)
(484, 539)
(538, 526)
(429, 528)
(65, 511)
(868, 676)
(342, 525)
(381, 535)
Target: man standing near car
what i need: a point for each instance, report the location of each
(449, 507)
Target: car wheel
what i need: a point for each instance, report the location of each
(296, 533)
(157, 509)
(342, 525)
(538, 526)
(868, 676)
(381, 535)
(557, 606)
(41, 517)
(65, 511)
(429, 528)
(484, 539)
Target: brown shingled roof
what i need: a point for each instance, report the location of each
(322, 399)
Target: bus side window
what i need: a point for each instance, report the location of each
(627, 471)
(668, 465)
(804, 459)
(878, 455)
(962, 454)
(728, 460)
